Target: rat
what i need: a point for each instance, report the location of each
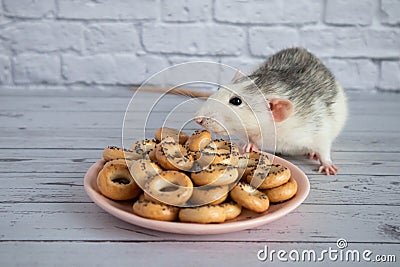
(292, 96)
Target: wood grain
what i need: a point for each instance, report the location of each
(85, 221)
(165, 253)
(53, 187)
(49, 139)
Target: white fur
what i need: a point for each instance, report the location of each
(252, 121)
(293, 135)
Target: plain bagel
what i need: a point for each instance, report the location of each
(283, 192)
(198, 140)
(203, 214)
(249, 197)
(232, 210)
(155, 211)
(204, 195)
(170, 187)
(115, 182)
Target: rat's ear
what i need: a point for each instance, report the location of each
(239, 74)
(281, 109)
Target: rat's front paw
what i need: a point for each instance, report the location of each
(250, 147)
(328, 169)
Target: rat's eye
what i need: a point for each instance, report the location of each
(236, 101)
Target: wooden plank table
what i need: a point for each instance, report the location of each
(49, 139)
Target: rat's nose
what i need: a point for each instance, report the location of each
(199, 120)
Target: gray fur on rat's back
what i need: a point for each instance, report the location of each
(299, 76)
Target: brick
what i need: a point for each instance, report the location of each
(352, 42)
(3, 19)
(390, 12)
(390, 75)
(137, 69)
(194, 39)
(29, 8)
(43, 36)
(320, 41)
(36, 68)
(108, 69)
(265, 41)
(221, 73)
(174, 60)
(5, 70)
(349, 12)
(186, 10)
(107, 9)
(354, 73)
(245, 65)
(194, 72)
(111, 37)
(301, 11)
(89, 69)
(4, 48)
(268, 12)
(239, 11)
(195, 68)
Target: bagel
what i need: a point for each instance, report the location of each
(283, 192)
(203, 214)
(242, 164)
(155, 211)
(257, 155)
(170, 187)
(198, 140)
(232, 210)
(142, 148)
(218, 151)
(257, 158)
(209, 195)
(118, 161)
(173, 156)
(252, 160)
(113, 152)
(115, 181)
(245, 165)
(142, 170)
(249, 197)
(177, 135)
(152, 154)
(215, 174)
(147, 197)
(268, 176)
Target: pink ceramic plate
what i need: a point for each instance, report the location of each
(246, 220)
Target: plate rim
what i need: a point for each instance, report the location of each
(194, 228)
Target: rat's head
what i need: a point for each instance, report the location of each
(243, 109)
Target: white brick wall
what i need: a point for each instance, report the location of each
(349, 12)
(36, 68)
(114, 43)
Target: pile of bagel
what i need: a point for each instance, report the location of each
(177, 177)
